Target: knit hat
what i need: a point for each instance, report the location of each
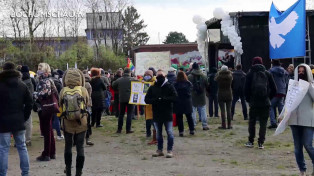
(149, 72)
(257, 60)
(195, 66)
(24, 69)
(224, 68)
(8, 66)
(153, 70)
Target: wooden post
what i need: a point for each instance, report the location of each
(138, 111)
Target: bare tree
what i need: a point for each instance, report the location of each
(31, 8)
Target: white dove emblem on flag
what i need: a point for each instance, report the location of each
(278, 30)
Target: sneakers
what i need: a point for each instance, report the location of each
(53, 157)
(158, 153)
(260, 146)
(88, 142)
(192, 132)
(205, 128)
(118, 132)
(43, 158)
(249, 145)
(169, 154)
(272, 126)
(59, 138)
(99, 126)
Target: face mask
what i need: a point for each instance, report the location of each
(40, 72)
(147, 78)
(160, 79)
(57, 76)
(302, 76)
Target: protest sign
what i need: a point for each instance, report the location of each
(295, 94)
(138, 92)
(158, 60)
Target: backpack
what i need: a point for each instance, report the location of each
(198, 84)
(260, 85)
(73, 103)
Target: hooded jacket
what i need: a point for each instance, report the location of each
(161, 96)
(303, 115)
(281, 79)
(248, 87)
(15, 102)
(123, 85)
(71, 79)
(198, 99)
(224, 80)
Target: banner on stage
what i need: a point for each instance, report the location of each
(158, 60)
(138, 92)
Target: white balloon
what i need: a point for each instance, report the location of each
(219, 13)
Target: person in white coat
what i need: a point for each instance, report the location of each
(302, 120)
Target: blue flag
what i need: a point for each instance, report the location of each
(287, 31)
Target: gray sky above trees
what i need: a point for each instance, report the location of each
(161, 16)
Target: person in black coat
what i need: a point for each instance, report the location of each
(162, 95)
(98, 96)
(212, 93)
(258, 82)
(183, 104)
(16, 105)
(171, 76)
(237, 90)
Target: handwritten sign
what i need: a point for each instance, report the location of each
(138, 92)
(158, 60)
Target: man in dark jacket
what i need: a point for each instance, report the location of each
(281, 79)
(171, 76)
(200, 84)
(16, 105)
(162, 95)
(259, 89)
(31, 85)
(237, 90)
(123, 85)
(213, 93)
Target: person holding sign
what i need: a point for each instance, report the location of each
(301, 120)
(123, 85)
(162, 95)
(148, 77)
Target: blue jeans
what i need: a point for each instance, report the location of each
(56, 124)
(302, 136)
(201, 113)
(5, 140)
(169, 130)
(275, 102)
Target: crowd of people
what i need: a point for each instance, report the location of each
(74, 101)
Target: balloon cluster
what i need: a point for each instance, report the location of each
(228, 29)
(201, 34)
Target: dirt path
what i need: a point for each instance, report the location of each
(214, 152)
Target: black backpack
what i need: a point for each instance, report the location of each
(260, 85)
(198, 87)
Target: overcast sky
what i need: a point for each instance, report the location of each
(163, 16)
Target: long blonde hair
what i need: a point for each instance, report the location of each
(44, 67)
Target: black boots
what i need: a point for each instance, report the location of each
(68, 163)
(79, 165)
